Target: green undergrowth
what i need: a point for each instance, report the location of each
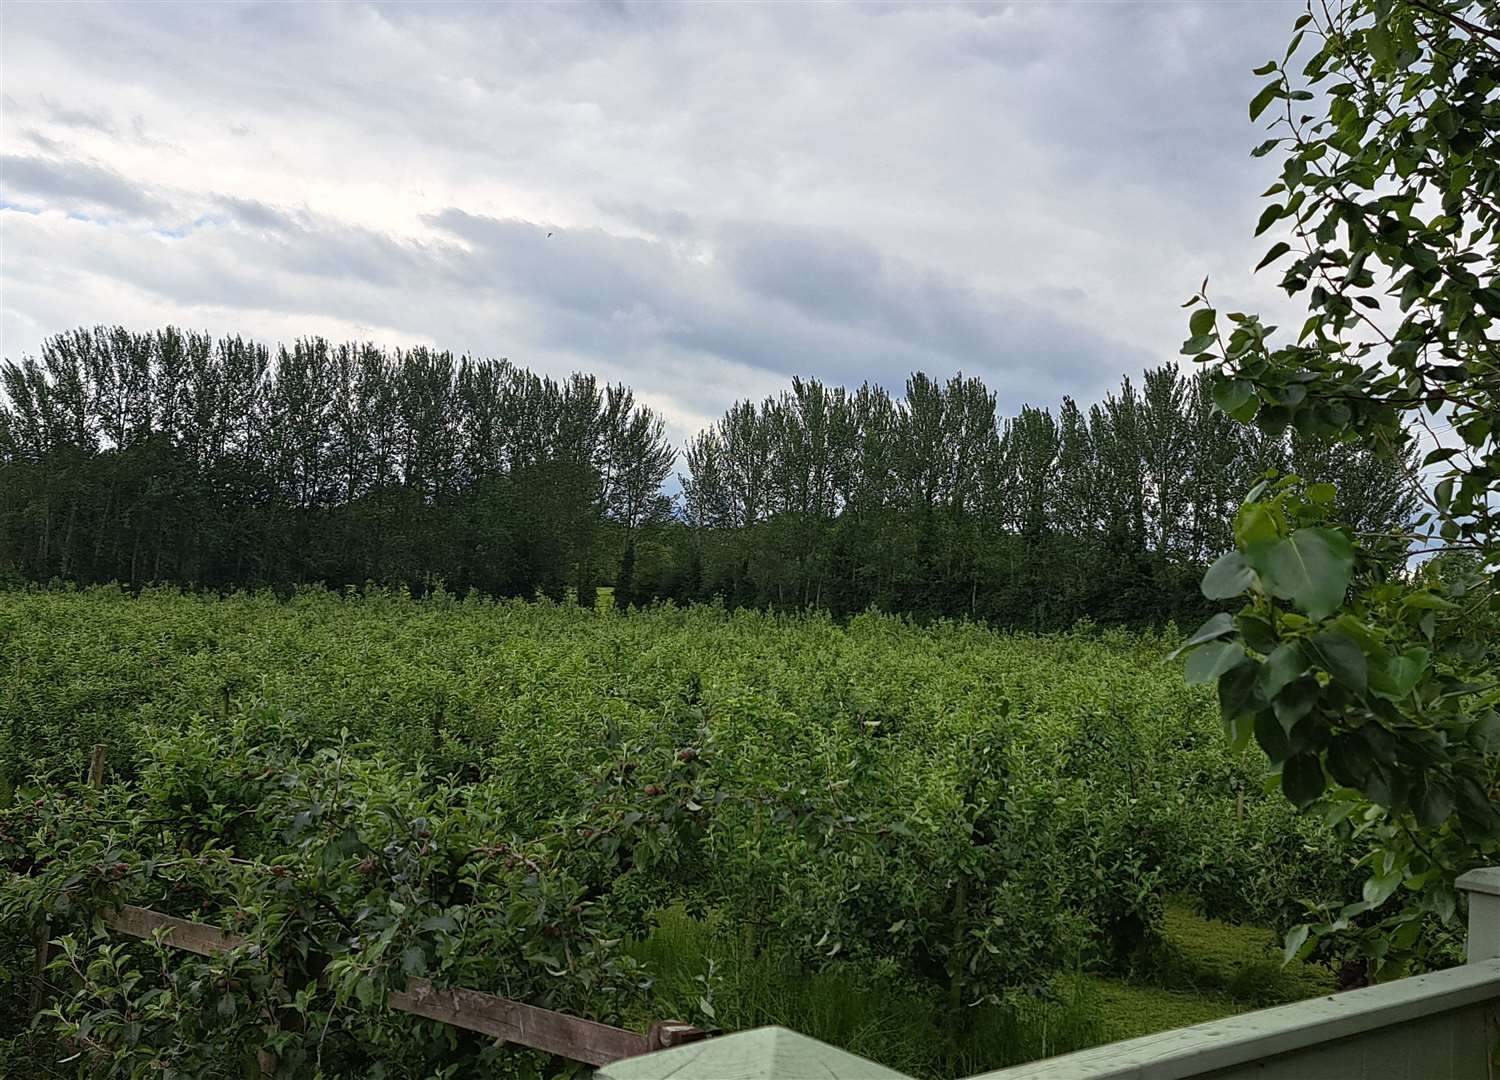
(720, 978)
(1200, 969)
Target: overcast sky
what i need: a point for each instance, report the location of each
(700, 200)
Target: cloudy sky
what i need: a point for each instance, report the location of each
(701, 200)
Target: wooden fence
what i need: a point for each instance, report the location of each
(1442, 1026)
(489, 1014)
(516, 1022)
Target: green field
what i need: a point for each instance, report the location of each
(942, 846)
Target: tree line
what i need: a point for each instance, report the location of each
(173, 456)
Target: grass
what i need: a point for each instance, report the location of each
(1201, 969)
(714, 977)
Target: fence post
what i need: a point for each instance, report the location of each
(1483, 887)
(768, 1053)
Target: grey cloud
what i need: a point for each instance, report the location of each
(1025, 191)
(70, 183)
(44, 144)
(74, 117)
(779, 300)
(258, 215)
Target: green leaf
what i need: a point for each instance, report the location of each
(1342, 658)
(1311, 568)
(1395, 677)
(1239, 692)
(1266, 95)
(1278, 249)
(1255, 526)
(1229, 576)
(1257, 632)
(365, 990)
(1295, 938)
(1215, 627)
(413, 961)
(1272, 738)
(1302, 779)
(1231, 394)
(1321, 494)
(1378, 889)
(1295, 701)
(1484, 733)
(1201, 322)
(1208, 662)
(1281, 668)
(1269, 216)
(1350, 760)
(1434, 805)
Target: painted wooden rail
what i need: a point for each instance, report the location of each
(1442, 1026)
(516, 1022)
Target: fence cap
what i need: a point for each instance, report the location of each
(768, 1053)
(1484, 880)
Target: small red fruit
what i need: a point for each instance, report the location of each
(653, 789)
(687, 755)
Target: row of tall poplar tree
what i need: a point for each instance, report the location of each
(219, 463)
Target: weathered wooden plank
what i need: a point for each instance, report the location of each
(514, 1021)
(541, 1029)
(665, 1034)
(181, 934)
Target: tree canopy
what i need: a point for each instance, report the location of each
(1367, 678)
(172, 456)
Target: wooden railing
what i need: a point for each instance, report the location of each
(516, 1022)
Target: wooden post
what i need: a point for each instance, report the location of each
(665, 1034)
(96, 768)
(1483, 887)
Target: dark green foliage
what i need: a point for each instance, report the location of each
(931, 505)
(162, 457)
(950, 812)
(1372, 687)
(174, 458)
